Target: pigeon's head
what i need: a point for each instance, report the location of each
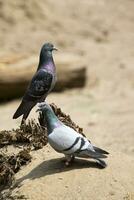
(48, 47)
(43, 107)
(43, 110)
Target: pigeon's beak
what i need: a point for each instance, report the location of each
(55, 49)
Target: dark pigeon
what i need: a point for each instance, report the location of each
(41, 84)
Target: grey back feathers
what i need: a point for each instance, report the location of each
(41, 84)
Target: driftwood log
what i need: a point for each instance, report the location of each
(17, 70)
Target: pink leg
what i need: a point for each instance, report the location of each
(69, 159)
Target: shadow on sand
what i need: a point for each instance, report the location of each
(57, 165)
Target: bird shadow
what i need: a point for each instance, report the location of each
(53, 166)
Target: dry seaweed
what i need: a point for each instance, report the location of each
(9, 165)
(6, 172)
(35, 134)
(7, 195)
(31, 134)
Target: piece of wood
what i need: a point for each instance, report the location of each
(17, 71)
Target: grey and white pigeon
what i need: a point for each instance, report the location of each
(67, 141)
(41, 84)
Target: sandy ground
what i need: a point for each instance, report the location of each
(108, 123)
(103, 33)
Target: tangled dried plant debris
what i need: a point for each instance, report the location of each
(7, 195)
(30, 136)
(9, 165)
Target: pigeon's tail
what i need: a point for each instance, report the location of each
(24, 109)
(97, 155)
(101, 162)
(98, 150)
(94, 154)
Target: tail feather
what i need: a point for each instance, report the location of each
(101, 162)
(98, 150)
(24, 109)
(93, 154)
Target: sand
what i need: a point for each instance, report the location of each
(109, 127)
(102, 32)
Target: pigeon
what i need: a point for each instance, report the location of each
(66, 140)
(41, 84)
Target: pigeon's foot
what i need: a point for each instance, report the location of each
(69, 160)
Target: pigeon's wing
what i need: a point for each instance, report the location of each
(38, 89)
(39, 86)
(66, 140)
